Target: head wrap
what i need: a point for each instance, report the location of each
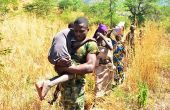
(119, 29)
(102, 28)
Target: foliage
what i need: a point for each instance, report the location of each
(165, 15)
(73, 4)
(40, 7)
(100, 13)
(166, 24)
(72, 15)
(139, 9)
(143, 94)
(7, 5)
(31, 38)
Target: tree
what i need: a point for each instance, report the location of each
(102, 12)
(165, 15)
(139, 9)
(74, 4)
(40, 7)
(7, 5)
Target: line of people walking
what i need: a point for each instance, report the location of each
(74, 55)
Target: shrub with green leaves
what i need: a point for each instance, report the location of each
(6, 5)
(143, 94)
(40, 7)
(73, 4)
(100, 13)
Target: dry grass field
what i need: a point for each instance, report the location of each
(30, 38)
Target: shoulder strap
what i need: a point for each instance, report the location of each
(78, 44)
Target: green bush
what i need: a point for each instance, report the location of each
(7, 5)
(166, 24)
(100, 13)
(74, 4)
(69, 16)
(143, 94)
(40, 7)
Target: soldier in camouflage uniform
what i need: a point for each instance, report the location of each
(84, 58)
(59, 55)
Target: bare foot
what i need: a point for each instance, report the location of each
(45, 88)
(39, 86)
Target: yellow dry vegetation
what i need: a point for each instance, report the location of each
(30, 38)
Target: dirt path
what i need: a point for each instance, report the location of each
(163, 96)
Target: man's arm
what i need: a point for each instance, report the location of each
(87, 67)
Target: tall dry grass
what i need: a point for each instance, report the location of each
(145, 66)
(30, 39)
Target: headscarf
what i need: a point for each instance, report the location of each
(100, 29)
(119, 29)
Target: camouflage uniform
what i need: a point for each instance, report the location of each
(72, 91)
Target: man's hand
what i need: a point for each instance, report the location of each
(61, 69)
(64, 62)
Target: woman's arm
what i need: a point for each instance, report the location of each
(108, 42)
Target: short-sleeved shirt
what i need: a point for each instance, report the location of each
(61, 46)
(79, 55)
(73, 89)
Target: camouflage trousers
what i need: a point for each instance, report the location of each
(72, 96)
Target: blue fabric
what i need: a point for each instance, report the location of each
(114, 42)
(118, 56)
